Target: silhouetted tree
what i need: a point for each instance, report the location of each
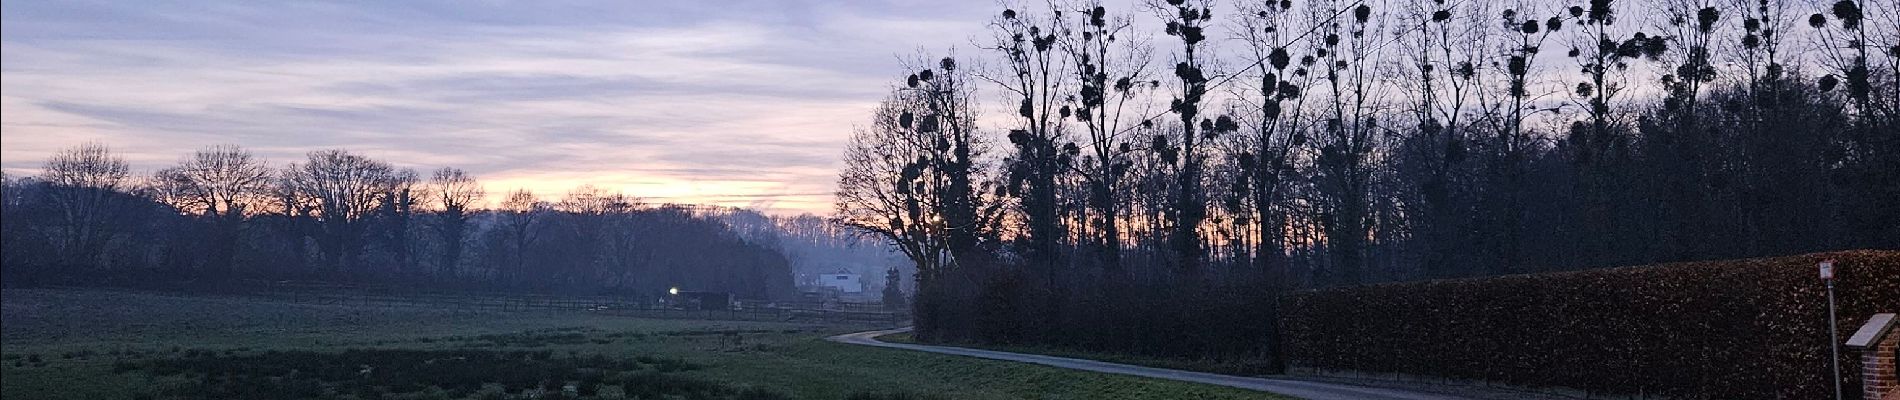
(85, 184)
(518, 214)
(1851, 56)
(1343, 180)
(219, 184)
(1034, 75)
(455, 192)
(894, 290)
(397, 219)
(1187, 21)
(1276, 106)
(1111, 70)
(344, 190)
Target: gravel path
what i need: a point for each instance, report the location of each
(1296, 388)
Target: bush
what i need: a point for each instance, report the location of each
(890, 396)
(1754, 328)
(419, 374)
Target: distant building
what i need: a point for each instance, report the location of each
(844, 281)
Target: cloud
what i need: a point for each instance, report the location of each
(735, 103)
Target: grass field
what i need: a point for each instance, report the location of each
(71, 344)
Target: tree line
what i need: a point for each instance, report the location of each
(1150, 178)
(222, 215)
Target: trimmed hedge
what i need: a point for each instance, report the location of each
(1737, 329)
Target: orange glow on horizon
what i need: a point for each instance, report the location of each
(774, 198)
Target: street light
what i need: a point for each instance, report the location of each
(673, 291)
(1833, 330)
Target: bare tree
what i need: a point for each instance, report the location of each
(222, 184)
(1034, 76)
(888, 188)
(1599, 145)
(519, 214)
(946, 122)
(1111, 67)
(23, 243)
(344, 190)
(1604, 56)
(296, 227)
(1509, 149)
(1853, 37)
(406, 191)
(1187, 21)
(85, 182)
(1443, 78)
(455, 191)
(1275, 109)
(591, 211)
(1347, 53)
(11, 202)
(911, 178)
(1846, 50)
(1691, 228)
(1519, 66)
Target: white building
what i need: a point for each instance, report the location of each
(845, 282)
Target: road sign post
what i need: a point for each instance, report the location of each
(1833, 330)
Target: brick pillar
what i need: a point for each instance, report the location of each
(1881, 365)
(1878, 344)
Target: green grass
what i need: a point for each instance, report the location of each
(141, 335)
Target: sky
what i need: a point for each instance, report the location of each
(737, 103)
(744, 103)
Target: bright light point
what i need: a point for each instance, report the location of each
(673, 291)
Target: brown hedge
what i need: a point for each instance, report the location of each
(1736, 329)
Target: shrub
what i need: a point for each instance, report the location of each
(398, 373)
(1754, 328)
(889, 396)
(649, 384)
(757, 393)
